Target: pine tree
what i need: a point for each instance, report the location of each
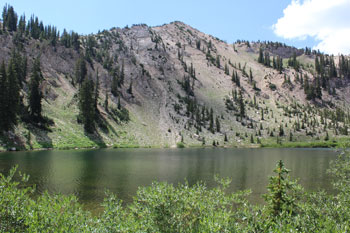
(217, 122)
(241, 105)
(87, 105)
(238, 81)
(267, 60)
(130, 89)
(251, 139)
(233, 77)
(218, 61)
(119, 104)
(250, 76)
(122, 75)
(282, 192)
(106, 102)
(211, 121)
(115, 83)
(35, 94)
(261, 56)
(80, 70)
(4, 114)
(96, 93)
(198, 44)
(13, 93)
(20, 66)
(227, 70)
(9, 18)
(22, 24)
(327, 137)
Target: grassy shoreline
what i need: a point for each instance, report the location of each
(320, 144)
(314, 144)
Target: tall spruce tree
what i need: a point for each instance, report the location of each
(115, 83)
(97, 93)
(80, 70)
(241, 105)
(35, 94)
(87, 105)
(9, 18)
(218, 127)
(261, 56)
(13, 92)
(4, 114)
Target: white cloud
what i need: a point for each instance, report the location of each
(327, 21)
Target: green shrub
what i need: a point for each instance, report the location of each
(180, 145)
(272, 86)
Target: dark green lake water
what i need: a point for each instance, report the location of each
(88, 173)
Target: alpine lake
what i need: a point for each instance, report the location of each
(89, 173)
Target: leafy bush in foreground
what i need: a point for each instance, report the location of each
(163, 207)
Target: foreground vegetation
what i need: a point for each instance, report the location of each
(163, 207)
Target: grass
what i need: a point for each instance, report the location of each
(126, 146)
(316, 144)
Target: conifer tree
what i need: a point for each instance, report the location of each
(96, 93)
(122, 75)
(217, 122)
(106, 102)
(261, 56)
(241, 105)
(227, 70)
(13, 93)
(238, 81)
(80, 70)
(251, 139)
(4, 114)
(233, 77)
(22, 24)
(35, 94)
(218, 61)
(87, 105)
(115, 83)
(198, 44)
(119, 104)
(281, 131)
(211, 121)
(267, 60)
(250, 75)
(130, 89)
(282, 192)
(9, 18)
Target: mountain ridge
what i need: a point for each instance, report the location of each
(180, 87)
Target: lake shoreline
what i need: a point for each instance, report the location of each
(314, 144)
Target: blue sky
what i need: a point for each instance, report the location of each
(228, 20)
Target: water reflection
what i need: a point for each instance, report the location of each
(89, 173)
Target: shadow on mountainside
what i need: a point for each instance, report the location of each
(11, 141)
(96, 138)
(41, 136)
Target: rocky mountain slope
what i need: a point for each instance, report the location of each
(180, 87)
